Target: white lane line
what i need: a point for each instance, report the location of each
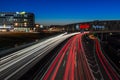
(64, 63)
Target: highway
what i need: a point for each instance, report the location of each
(70, 63)
(16, 64)
(78, 60)
(81, 58)
(100, 65)
(109, 70)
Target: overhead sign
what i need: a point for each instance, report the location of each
(84, 26)
(98, 27)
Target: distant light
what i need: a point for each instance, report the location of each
(4, 26)
(41, 26)
(77, 27)
(25, 24)
(22, 13)
(110, 33)
(17, 12)
(16, 24)
(36, 25)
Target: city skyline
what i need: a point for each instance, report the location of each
(50, 12)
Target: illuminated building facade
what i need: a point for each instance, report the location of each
(102, 25)
(17, 20)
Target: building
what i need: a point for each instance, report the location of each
(17, 21)
(98, 25)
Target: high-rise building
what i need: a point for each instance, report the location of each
(17, 20)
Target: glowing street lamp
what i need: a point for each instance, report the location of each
(37, 25)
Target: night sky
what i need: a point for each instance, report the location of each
(65, 11)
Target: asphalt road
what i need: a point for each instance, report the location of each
(79, 59)
(76, 61)
(13, 66)
(70, 63)
(100, 65)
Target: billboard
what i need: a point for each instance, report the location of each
(84, 26)
(98, 27)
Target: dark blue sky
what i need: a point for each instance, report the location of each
(65, 11)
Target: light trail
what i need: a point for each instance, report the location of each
(106, 65)
(80, 65)
(75, 65)
(16, 64)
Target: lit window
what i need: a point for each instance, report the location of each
(2, 14)
(15, 15)
(25, 19)
(25, 15)
(25, 24)
(15, 19)
(16, 24)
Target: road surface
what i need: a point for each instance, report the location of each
(74, 63)
(13, 66)
(71, 63)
